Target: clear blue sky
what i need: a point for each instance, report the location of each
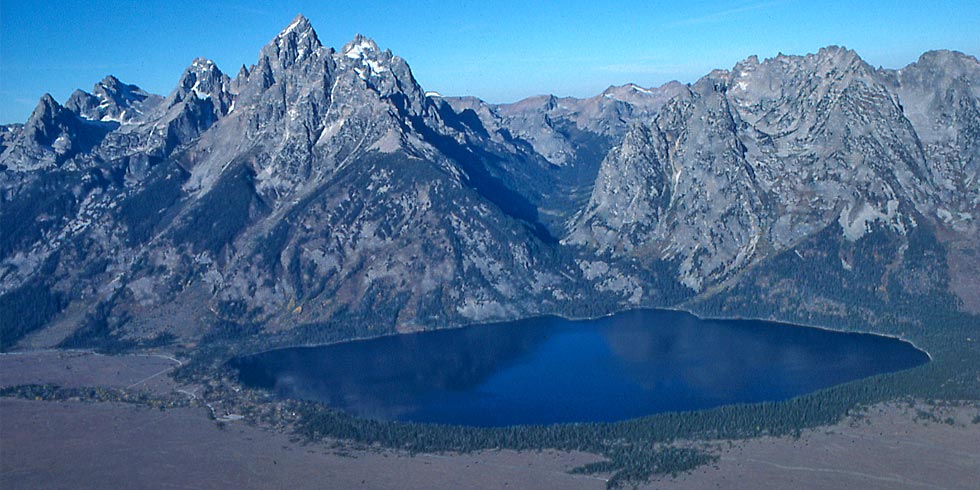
(499, 50)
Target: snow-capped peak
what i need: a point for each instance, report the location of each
(627, 93)
(365, 50)
(202, 78)
(203, 64)
(637, 88)
(360, 47)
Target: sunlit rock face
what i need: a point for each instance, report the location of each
(321, 194)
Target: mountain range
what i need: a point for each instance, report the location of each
(322, 195)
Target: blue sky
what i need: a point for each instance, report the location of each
(497, 50)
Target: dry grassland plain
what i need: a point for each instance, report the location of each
(74, 445)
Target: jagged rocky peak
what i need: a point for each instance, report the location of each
(336, 187)
(46, 107)
(295, 43)
(296, 59)
(111, 88)
(807, 109)
(112, 101)
(940, 96)
(242, 73)
(303, 104)
(836, 59)
(832, 57)
(84, 104)
(294, 54)
(717, 80)
(762, 156)
(9, 132)
(827, 62)
(301, 28)
(839, 55)
(382, 72)
(203, 79)
(49, 137)
(370, 61)
(786, 93)
(360, 47)
(241, 80)
(48, 121)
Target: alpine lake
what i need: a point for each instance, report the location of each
(550, 370)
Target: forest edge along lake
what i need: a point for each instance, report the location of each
(548, 370)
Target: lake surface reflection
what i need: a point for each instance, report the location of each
(549, 370)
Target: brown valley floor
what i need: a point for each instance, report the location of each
(73, 445)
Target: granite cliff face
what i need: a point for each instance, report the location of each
(321, 195)
(769, 157)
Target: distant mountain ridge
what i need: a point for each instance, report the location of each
(320, 195)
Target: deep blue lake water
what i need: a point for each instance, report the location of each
(549, 370)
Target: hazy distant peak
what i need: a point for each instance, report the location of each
(945, 56)
(626, 88)
(949, 63)
(634, 93)
(837, 52)
(715, 81)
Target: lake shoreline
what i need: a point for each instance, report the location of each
(573, 318)
(615, 367)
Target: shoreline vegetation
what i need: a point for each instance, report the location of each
(635, 450)
(638, 449)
